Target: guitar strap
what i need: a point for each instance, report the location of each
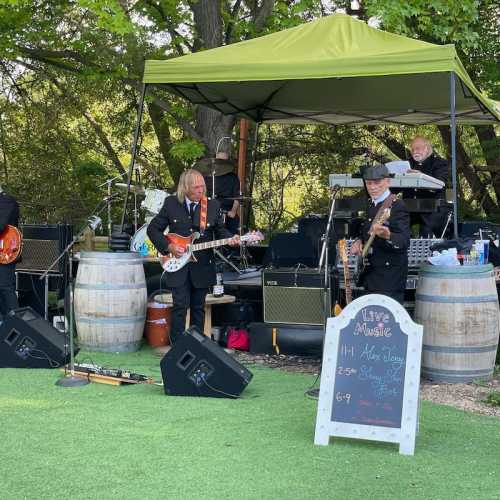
(387, 203)
(203, 214)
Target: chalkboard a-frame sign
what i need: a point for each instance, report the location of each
(370, 377)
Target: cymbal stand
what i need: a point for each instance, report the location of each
(108, 184)
(110, 228)
(227, 261)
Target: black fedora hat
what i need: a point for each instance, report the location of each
(375, 172)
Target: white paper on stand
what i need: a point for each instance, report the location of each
(398, 166)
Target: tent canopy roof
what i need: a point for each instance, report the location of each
(335, 70)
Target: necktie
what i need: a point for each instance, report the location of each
(192, 206)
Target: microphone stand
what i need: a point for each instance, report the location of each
(324, 256)
(314, 392)
(72, 380)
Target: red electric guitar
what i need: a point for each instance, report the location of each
(11, 244)
(172, 264)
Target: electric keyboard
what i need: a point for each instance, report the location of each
(416, 180)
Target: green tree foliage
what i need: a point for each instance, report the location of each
(70, 71)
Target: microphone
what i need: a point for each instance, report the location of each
(94, 222)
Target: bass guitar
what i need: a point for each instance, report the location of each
(172, 264)
(342, 245)
(11, 243)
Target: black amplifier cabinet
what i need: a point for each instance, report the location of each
(42, 244)
(295, 296)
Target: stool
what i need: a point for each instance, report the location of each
(166, 298)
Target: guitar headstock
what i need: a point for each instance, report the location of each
(343, 251)
(252, 237)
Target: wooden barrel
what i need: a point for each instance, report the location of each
(110, 301)
(458, 307)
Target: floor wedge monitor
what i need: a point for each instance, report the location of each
(29, 341)
(197, 366)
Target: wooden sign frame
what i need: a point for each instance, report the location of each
(325, 425)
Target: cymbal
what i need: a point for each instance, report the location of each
(218, 166)
(133, 187)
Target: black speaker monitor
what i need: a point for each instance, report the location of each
(197, 366)
(29, 341)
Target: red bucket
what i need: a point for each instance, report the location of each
(157, 331)
(156, 310)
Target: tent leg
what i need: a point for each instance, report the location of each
(453, 125)
(133, 152)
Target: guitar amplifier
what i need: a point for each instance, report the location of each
(42, 244)
(295, 296)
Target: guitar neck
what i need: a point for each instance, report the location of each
(347, 284)
(368, 244)
(211, 244)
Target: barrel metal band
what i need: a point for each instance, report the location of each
(464, 276)
(114, 262)
(457, 350)
(456, 300)
(107, 320)
(437, 371)
(110, 286)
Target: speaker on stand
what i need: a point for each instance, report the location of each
(198, 366)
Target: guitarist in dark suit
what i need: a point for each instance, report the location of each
(387, 258)
(9, 214)
(181, 214)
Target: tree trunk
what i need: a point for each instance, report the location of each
(478, 187)
(210, 124)
(162, 131)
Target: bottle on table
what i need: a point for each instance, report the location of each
(218, 289)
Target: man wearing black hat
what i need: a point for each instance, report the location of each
(387, 267)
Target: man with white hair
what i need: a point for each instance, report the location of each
(424, 160)
(187, 212)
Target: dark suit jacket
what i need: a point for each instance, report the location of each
(9, 211)
(388, 258)
(434, 166)
(175, 216)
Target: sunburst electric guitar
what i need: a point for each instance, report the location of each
(347, 279)
(11, 244)
(172, 264)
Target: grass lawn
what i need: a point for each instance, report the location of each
(133, 441)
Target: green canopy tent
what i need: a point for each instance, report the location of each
(336, 70)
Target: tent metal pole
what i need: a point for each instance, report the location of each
(253, 161)
(454, 153)
(133, 152)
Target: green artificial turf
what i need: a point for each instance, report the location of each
(133, 441)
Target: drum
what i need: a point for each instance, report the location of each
(154, 200)
(141, 244)
(110, 301)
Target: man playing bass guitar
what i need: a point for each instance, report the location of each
(186, 213)
(9, 216)
(386, 231)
